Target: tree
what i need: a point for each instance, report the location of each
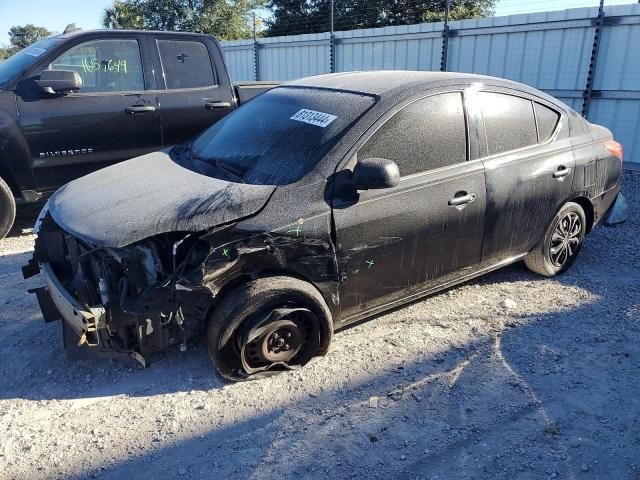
(227, 19)
(21, 37)
(290, 17)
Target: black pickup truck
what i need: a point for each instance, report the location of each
(76, 102)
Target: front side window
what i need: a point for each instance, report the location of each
(508, 121)
(426, 134)
(186, 64)
(104, 65)
(276, 138)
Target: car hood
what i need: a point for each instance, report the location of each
(149, 195)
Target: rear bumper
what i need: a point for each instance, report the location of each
(82, 320)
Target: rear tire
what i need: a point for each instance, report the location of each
(7, 208)
(561, 243)
(247, 324)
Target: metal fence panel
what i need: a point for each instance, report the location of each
(550, 51)
(287, 58)
(239, 59)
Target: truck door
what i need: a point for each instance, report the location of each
(193, 94)
(111, 118)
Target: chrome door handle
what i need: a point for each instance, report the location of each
(561, 172)
(140, 109)
(461, 199)
(216, 105)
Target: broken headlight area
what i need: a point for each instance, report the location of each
(136, 299)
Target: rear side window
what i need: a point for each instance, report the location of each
(426, 134)
(508, 121)
(186, 64)
(104, 65)
(547, 120)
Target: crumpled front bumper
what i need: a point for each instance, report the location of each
(83, 321)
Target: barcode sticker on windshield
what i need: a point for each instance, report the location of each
(312, 117)
(34, 51)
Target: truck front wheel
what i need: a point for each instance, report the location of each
(7, 208)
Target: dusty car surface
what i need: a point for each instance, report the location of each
(320, 203)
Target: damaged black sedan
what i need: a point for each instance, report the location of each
(317, 204)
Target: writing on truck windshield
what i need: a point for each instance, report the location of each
(278, 137)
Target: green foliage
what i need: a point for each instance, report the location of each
(227, 19)
(21, 37)
(290, 17)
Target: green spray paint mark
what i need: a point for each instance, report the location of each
(370, 263)
(295, 230)
(225, 252)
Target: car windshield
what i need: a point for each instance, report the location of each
(276, 138)
(24, 60)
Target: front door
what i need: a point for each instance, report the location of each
(109, 119)
(396, 243)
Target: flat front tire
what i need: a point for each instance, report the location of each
(267, 326)
(7, 208)
(562, 241)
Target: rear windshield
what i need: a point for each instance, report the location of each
(24, 60)
(279, 136)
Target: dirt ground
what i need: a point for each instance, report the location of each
(511, 375)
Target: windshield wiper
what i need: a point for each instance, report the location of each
(235, 173)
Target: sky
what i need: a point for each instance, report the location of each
(56, 15)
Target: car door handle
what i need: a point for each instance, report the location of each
(133, 109)
(561, 172)
(461, 198)
(210, 105)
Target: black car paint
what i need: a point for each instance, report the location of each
(368, 251)
(36, 127)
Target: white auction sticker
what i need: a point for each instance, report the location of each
(319, 119)
(34, 51)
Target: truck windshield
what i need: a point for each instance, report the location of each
(24, 59)
(278, 137)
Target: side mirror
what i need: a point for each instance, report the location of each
(59, 81)
(373, 173)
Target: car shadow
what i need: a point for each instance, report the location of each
(24, 337)
(526, 402)
(26, 340)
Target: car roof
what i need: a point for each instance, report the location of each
(401, 83)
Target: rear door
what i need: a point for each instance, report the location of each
(396, 243)
(111, 118)
(529, 168)
(193, 93)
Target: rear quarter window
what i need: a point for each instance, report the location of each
(186, 64)
(509, 122)
(547, 119)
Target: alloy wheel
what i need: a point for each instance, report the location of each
(565, 239)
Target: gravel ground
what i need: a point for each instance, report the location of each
(512, 375)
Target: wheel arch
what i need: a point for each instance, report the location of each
(588, 208)
(235, 282)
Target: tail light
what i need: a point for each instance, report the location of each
(614, 149)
